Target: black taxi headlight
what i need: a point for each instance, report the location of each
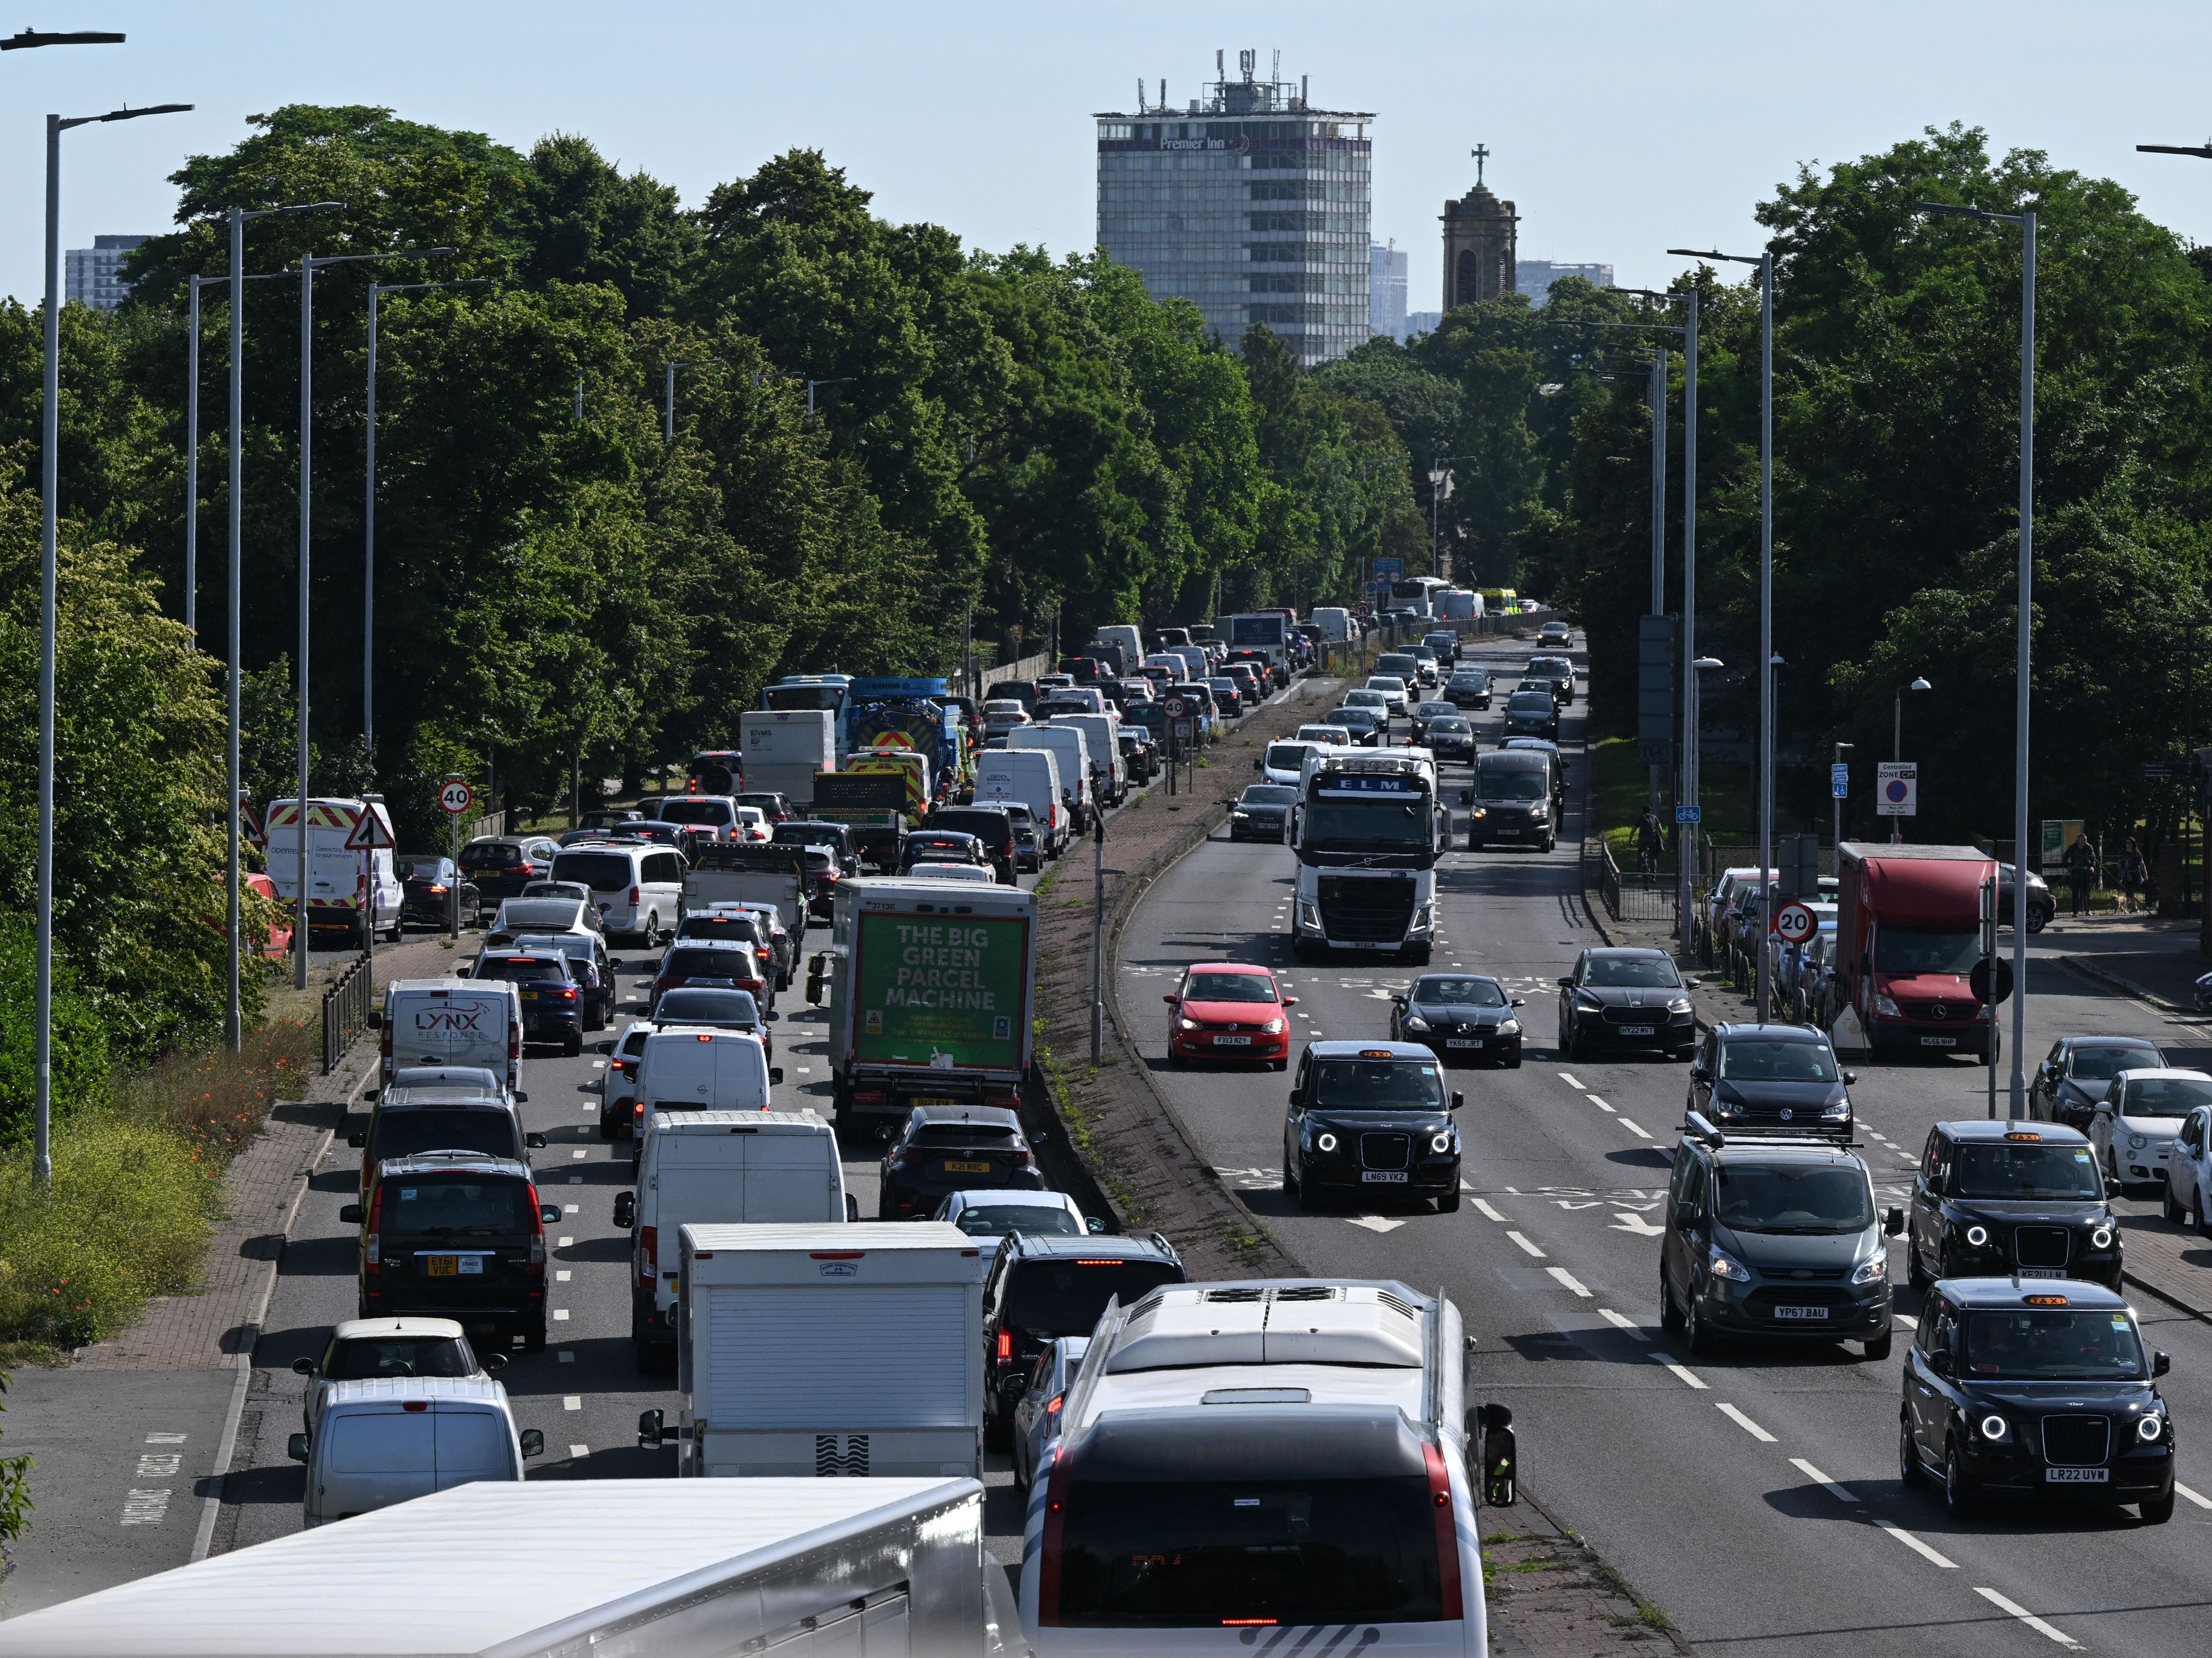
(2101, 1238)
(1995, 1427)
(1441, 1143)
(1978, 1236)
(2151, 1428)
(1324, 1142)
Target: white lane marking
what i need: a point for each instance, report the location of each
(598, 1065)
(567, 1356)
(1634, 1130)
(571, 1402)
(1681, 1374)
(159, 1465)
(1620, 1323)
(561, 1278)
(2181, 1490)
(165, 1439)
(567, 1243)
(805, 1070)
(1842, 1494)
(1525, 1244)
(1374, 1222)
(1600, 1104)
(1634, 1224)
(560, 1313)
(579, 1451)
(1745, 1423)
(578, 1155)
(2029, 1618)
(1568, 1080)
(571, 1208)
(1487, 1209)
(1912, 1323)
(145, 1508)
(1568, 1279)
(1916, 1545)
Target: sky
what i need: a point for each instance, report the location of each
(1618, 129)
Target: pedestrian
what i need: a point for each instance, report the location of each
(2081, 872)
(1650, 839)
(2134, 874)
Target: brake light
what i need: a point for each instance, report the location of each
(437, 886)
(910, 1158)
(383, 1044)
(371, 1261)
(1440, 1497)
(1021, 1159)
(867, 1097)
(536, 1233)
(1008, 1101)
(1048, 1544)
(633, 895)
(1058, 1399)
(1006, 1346)
(648, 1255)
(415, 1405)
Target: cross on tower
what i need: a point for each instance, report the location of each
(1481, 153)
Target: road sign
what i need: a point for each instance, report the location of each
(1388, 567)
(2154, 769)
(1841, 791)
(456, 797)
(1176, 707)
(1689, 814)
(1840, 772)
(1794, 924)
(1978, 982)
(249, 826)
(370, 833)
(1897, 788)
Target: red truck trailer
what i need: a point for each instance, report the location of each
(1908, 933)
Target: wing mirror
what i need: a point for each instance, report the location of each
(1566, 984)
(851, 1207)
(1699, 1074)
(534, 1442)
(609, 1047)
(534, 1142)
(1467, 797)
(303, 1367)
(625, 1210)
(1490, 1428)
(652, 1431)
(770, 1018)
(2112, 1187)
(1519, 1001)
(1851, 1079)
(296, 1447)
(1458, 1100)
(1289, 1001)
(550, 1213)
(1940, 1361)
(775, 1074)
(2160, 1363)
(357, 1141)
(1170, 998)
(351, 1215)
(1686, 1214)
(492, 1361)
(1893, 1221)
(1095, 1226)
(1398, 996)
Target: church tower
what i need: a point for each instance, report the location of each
(1479, 243)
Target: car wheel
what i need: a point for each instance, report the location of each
(1449, 1204)
(533, 1341)
(1878, 1349)
(1308, 1199)
(573, 1045)
(1513, 1058)
(1282, 1064)
(606, 1129)
(2158, 1510)
(2038, 919)
(1670, 1317)
(1175, 1059)
(1959, 1494)
(2175, 1214)
(1697, 1334)
(1915, 1275)
(1909, 1471)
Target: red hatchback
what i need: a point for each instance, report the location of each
(1229, 1011)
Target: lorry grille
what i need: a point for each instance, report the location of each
(1368, 911)
(1385, 1151)
(2077, 1442)
(2039, 1246)
(832, 1462)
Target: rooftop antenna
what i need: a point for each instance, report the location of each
(1163, 103)
(1220, 73)
(1304, 97)
(1246, 60)
(1140, 96)
(1276, 74)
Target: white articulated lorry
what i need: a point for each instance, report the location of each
(1367, 830)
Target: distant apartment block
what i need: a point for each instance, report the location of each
(1422, 322)
(1386, 290)
(94, 273)
(1534, 277)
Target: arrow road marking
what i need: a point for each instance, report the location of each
(1375, 1223)
(1635, 1226)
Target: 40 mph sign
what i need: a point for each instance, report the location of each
(1794, 924)
(456, 798)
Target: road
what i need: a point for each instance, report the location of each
(1754, 1495)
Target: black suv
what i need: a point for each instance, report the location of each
(1624, 997)
(1370, 1116)
(1531, 711)
(993, 830)
(1995, 1196)
(1044, 1286)
(944, 1149)
(501, 866)
(458, 1236)
(406, 1122)
(1555, 673)
(1771, 1074)
(1773, 1235)
(2035, 1390)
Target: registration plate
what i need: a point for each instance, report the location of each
(1638, 1029)
(2076, 1476)
(958, 1168)
(934, 1099)
(1462, 1041)
(1383, 1177)
(1939, 1042)
(2043, 1272)
(1801, 1312)
(441, 1266)
(1233, 1042)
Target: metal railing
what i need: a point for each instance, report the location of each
(345, 1011)
(1634, 895)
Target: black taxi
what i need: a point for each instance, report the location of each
(1997, 1197)
(2020, 1388)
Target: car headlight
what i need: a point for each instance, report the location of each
(1324, 1141)
(1415, 1022)
(1309, 916)
(1479, 811)
(1509, 1027)
(1995, 1427)
(1873, 1270)
(1836, 1113)
(2151, 1428)
(1680, 1004)
(2101, 1238)
(1441, 1142)
(1978, 1236)
(1588, 1003)
(1886, 1007)
(2136, 1142)
(1186, 1025)
(1240, 816)
(1273, 1028)
(1720, 1264)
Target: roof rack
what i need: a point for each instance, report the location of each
(1835, 1138)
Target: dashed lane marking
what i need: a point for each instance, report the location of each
(571, 1208)
(1620, 1323)
(560, 1313)
(1745, 1423)
(567, 1244)
(1571, 1082)
(1841, 1493)
(1681, 1374)
(2182, 1490)
(579, 1451)
(1634, 1129)
(1521, 1240)
(1918, 1546)
(2027, 1617)
(145, 1508)
(561, 1278)
(1568, 1279)
(1487, 1209)
(1600, 1104)
(571, 1402)
(578, 1155)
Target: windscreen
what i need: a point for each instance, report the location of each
(961, 1133)
(1356, 1084)
(2026, 1171)
(423, 869)
(807, 835)
(1510, 783)
(1037, 1220)
(1064, 1298)
(1286, 756)
(1382, 825)
(2054, 1345)
(1269, 794)
(1450, 725)
(1792, 1198)
(1910, 951)
(1529, 702)
(490, 854)
(709, 964)
(1230, 987)
(1761, 1060)
(406, 1133)
(1396, 662)
(459, 1206)
(520, 969)
(803, 696)
(740, 928)
(714, 812)
(2101, 1065)
(726, 1007)
(602, 871)
(365, 1358)
(984, 825)
(2164, 1096)
(1459, 993)
(1474, 677)
(1648, 972)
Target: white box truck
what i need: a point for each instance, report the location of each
(349, 891)
(449, 1022)
(1032, 777)
(735, 874)
(830, 1350)
(785, 747)
(619, 1568)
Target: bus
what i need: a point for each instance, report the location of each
(1417, 593)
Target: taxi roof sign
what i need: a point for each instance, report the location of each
(1376, 1053)
(2045, 1301)
(2021, 1134)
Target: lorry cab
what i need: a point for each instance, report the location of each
(1908, 925)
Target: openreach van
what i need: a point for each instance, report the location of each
(1278, 1466)
(1367, 828)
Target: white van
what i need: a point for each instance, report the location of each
(1131, 641)
(691, 1067)
(742, 1167)
(639, 889)
(342, 886)
(449, 1022)
(719, 812)
(1102, 733)
(1334, 622)
(1194, 657)
(1073, 751)
(1032, 777)
(383, 1441)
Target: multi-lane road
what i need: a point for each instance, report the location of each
(1753, 1494)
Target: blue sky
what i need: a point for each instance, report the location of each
(1619, 129)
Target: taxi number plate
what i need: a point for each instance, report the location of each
(952, 1167)
(1939, 1042)
(1801, 1312)
(1233, 1042)
(1382, 1176)
(1638, 1031)
(2043, 1272)
(2076, 1476)
(1462, 1041)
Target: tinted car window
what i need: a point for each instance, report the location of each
(990, 1221)
(2021, 1170)
(2100, 1064)
(1528, 702)
(1785, 1197)
(1064, 1298)
(2164, 1096)
(405, 1133)
(602, 871)
(1902, 949)
(959, 1134)
(1463, 992)
(1230, 987)
(1356, 1084)
(521, 969)
(1761, 1060)
(490, 854)
(1270, 794)
(1509, 782)
(2054, 1345)
(365, 1359)
(710, 963)
(688, 1006)
(454, 1206)
(1650, 972)
(695, 812)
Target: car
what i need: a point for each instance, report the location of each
(1044, 1391)
(589, 965)
(719, 1010)
(1263, 812)
(1995, 1196)
(1514, 797)
(1229, 1011)
(1284, 762)
(638, 889)
(1541, 746)
(774, 806)
(1706, 926)
(710, 964)
(2041, 906)
(1029, 846)
(2187, 1199)
(1444, 642)
(844, 850)
(1403, 665)
(994, 1212)
(409, 1117)
(756, 927)
(1041, 1288)
(1459, 1017)
(2075, 1073)
(752, 827)
(1624, 997)
(988, 823)
(2133, 1126)
(1427, 709)
(426, 1215)
(552, 999)
(943, 1149)
(575, 889)
(1229, 693)
(427, 887)
(367, 1348)
(1531, 711)
(2035, 1391)
(1319, 732)
(556, 913)
(1361, 726)
(1251, 682)
(500, 866)
(1772, 1076)
(1396, 694)
(926, 870)
(607, 819)
(1555, 633)
(1468, 686)
(618, 1102)
(1432, 666)
(1143, 754)
(1369, 1115)
(1555, 673)
(935, 846)
(1451, 736)
(383, 1441)
(716, 813)
(1773, 1235)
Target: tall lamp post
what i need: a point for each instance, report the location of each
(42, 1165)
(192, 449)
(667, 395)
(2023, 626)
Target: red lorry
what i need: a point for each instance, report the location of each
(1908, 932)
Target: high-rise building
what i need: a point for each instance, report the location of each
(1386, 290)
(1534, 277)
(94, 273)
(1249, 203)
(1422, 322)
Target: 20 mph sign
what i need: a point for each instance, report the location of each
(1794, 924)
(456, 798)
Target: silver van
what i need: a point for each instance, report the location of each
(383, 1441)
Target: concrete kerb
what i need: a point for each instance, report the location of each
(2111, 980)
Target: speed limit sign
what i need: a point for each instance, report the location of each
(1177, 708)
(456, 797)
(1794, 924)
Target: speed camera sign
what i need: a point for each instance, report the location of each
(1794, 924)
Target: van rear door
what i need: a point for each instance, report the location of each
(792, 1177)
(372, 1456)
(472, 1443)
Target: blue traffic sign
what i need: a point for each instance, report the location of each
(1840, 772)
(1840, 789)
(1689, 814)
(1388, 567)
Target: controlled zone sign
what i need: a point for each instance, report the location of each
(1794, 924)
(1897, 788)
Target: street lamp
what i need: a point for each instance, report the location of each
(668, 395)
(369, 506)
(232, 1030)
(1685, 851)
(42, 1164)
(1897, 718)
(1439, 476)
(842, 380)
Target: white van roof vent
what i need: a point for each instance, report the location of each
(1246, 1292)
(1180, 1326)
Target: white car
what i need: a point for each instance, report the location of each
(976, 872)
(752, 827)
(2189, 1173)
(2134, 1126)
(1374, 701)
(1327, 736)
(367, 1349)
(994, 1212)
(1036, 1418)
(1393, 688)
(1003, 714)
